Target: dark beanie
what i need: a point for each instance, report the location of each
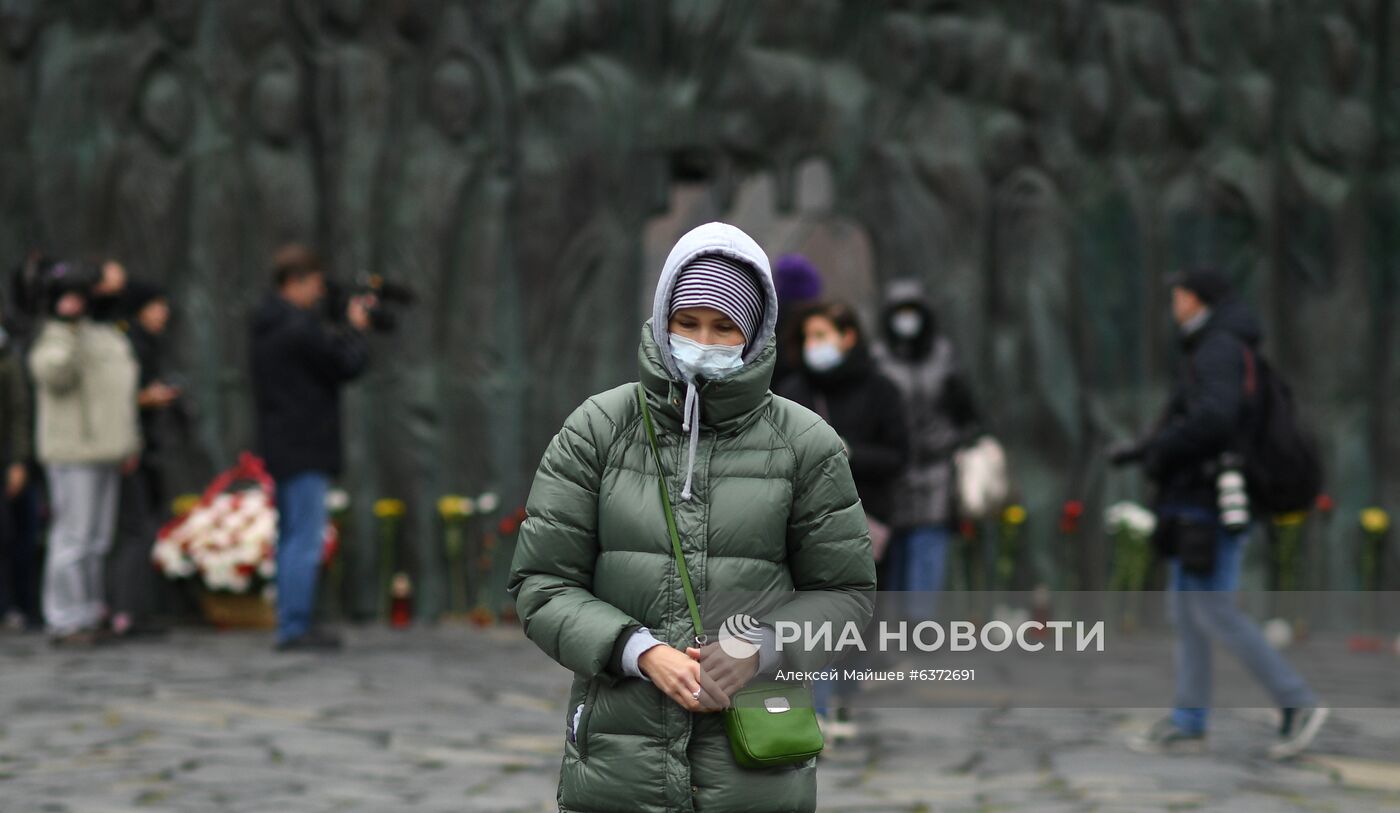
(1209, 285)
(796, 279)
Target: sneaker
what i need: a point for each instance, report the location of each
(1164, 737)
(1297, 731)
(312, 641)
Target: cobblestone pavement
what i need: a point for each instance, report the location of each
(457, 719)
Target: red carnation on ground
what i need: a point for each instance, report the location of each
(1070, 515)
(511, 523)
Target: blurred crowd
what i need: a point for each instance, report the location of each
(88, 410)
(88, 413)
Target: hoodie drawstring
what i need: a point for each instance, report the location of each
(690, 421)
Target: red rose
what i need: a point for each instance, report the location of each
(1070, 515)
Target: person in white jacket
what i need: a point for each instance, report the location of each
(85, 376)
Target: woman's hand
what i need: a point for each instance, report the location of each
(675, 674)
(729, 674)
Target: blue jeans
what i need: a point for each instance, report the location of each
(918, 561)
(915, 562)
(301, 526)
(1202, 606)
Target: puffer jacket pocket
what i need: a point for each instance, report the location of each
(578, 720)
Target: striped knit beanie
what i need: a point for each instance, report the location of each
(728, 286)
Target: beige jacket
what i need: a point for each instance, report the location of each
(85, 377)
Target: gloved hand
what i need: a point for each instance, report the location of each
(1126, 453)
(728, 674)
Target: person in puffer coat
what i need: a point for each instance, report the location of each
(764, 502)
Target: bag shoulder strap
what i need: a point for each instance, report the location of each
(671, 518)
(1251, 371)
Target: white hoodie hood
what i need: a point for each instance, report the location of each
(731, 242)
(726, 240)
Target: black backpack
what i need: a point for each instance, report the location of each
(1282, 467)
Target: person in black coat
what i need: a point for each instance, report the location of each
(131, 585)
(840, 381)
(1210, 408)
(300, 364)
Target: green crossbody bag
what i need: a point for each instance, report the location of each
(769, 723)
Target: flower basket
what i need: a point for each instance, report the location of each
(237, 610)
(225, 544)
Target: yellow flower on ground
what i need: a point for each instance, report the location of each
(1375, 520)
(387, 508)
(184, 504)
(1291, 520)
(454, 506)
(1014, 515)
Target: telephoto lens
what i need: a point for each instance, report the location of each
(1232, 499)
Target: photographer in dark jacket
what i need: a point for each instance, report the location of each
(299, 365)
(1209, 411)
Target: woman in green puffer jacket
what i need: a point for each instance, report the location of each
(764, 503)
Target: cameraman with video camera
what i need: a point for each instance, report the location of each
(85, 376)
(300, 362)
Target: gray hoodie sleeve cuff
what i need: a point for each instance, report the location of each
(640, 642)
(768, 655)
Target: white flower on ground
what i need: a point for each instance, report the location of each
(487, 502)
(1130, 517)
(337, 500)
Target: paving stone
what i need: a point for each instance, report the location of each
(454, 719)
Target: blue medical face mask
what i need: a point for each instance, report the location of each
(712, 362)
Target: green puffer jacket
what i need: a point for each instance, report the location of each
(773, 509)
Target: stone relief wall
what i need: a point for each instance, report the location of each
(1042, 166)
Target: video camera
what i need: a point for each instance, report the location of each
(387, 296)
(40, 281)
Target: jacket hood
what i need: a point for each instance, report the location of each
(908, 292)
(728, 241)
(1234, 317)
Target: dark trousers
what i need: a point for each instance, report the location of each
(132, 580)
(19, 554)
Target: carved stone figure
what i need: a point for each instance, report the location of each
(152, 180)
(1034, 370)
(1327, 293)
(19, 227)
(423, 243)
(1042, 167)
